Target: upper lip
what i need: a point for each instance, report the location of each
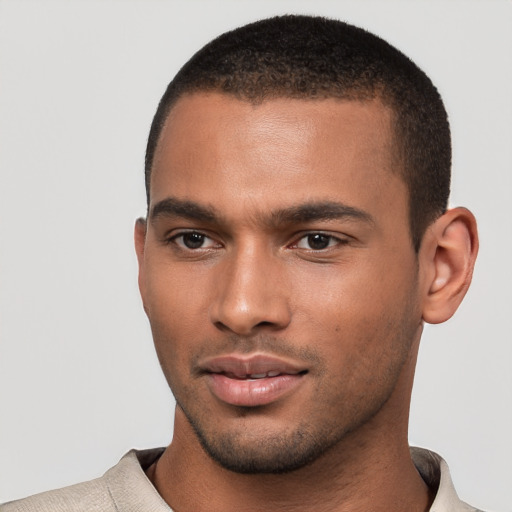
(241, 366)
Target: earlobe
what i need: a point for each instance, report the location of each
(448, 258)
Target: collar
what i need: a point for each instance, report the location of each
(130, 488)
(436, 474)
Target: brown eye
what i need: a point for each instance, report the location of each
(193, 240)
(318, 241)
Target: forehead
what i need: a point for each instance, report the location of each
(215, 147)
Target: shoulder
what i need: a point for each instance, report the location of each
(89, 496)
(117, 490)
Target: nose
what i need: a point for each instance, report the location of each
(251, 294)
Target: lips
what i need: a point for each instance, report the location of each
(251, 381)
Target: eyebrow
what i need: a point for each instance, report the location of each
(173, 207)
(318, 211)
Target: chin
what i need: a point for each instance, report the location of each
(269, 456)
(263, 452)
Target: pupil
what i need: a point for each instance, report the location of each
(193, 240)
(318, 241)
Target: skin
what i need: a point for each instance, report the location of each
(341, 296)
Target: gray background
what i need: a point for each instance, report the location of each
(79, 83)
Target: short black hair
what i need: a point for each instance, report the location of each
(309, 57)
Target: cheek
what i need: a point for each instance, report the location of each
(357, 289)
(172, 306)
(173, 293)
(360, 311)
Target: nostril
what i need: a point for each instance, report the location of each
(222, 327)
(264, 324)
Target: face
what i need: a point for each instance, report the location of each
(278, 274)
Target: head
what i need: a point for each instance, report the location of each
(296, 240)
(310, 58)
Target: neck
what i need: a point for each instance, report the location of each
(370, 469)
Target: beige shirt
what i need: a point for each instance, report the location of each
(126, 488)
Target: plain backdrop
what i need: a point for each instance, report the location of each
(79, 83)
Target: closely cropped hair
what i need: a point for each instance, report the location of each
(308, 57)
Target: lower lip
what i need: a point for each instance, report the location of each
(252, 393)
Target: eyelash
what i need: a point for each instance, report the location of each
(174, 239)
(331, 240)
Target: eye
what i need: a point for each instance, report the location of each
(318, 241)
(193, 240)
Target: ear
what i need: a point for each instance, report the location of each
(140, 241)
(447, 258)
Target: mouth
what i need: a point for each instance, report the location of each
(251, 381)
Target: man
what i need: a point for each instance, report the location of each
(297, 239)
